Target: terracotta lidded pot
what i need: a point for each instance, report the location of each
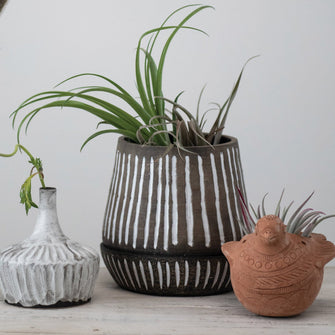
(167, 215)
(275, 273)
(48, 269)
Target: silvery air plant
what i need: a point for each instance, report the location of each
(46, 269)
(302, 222)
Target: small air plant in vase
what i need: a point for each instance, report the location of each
(46, 269)
(277, 268)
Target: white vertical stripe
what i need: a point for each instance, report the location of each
(166, 204)
(143, 275)
(226, 167)
(112, 194)
(189, 206)
(115, 210)
(225, 182)
(174, 201)
(136, 275)
(128, 272)
(160, 274)
(125, 196)
(217, 198)
(227, 283)
(151, 272)
(237, 212)
(106, 218)
(122, 273)
(238, 162)
(177, 271)
(113, 201)
(238, 183)
(217, 272)
(168, 275)
(197, 274)
(203, 203)
(138, 205)
(208, 272)
(150, 189)
(109, 200)
(159, 199)
(186, 273)
(116, 271)
(241, 172)
(238, 179)
(131, 201)
(223, 275)
(108, 262)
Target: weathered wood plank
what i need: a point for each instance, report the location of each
(115, 311)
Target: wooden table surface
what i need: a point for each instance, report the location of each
(115, 311)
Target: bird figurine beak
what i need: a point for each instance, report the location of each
(269, 236)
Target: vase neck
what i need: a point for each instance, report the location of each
(47, 227)
(47, 198)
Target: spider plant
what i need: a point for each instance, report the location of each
(148, 121)
(302, 221)
(36, 170)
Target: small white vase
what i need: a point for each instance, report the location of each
(48, 268)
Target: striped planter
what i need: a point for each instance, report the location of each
(167, 216)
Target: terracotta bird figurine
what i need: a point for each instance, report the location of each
(275, 273)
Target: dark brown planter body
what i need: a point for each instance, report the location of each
(168, 215)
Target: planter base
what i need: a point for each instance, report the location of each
(59, 304)
(168, 275)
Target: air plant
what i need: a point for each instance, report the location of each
(36, 170)
(302, 221)
(149, 122)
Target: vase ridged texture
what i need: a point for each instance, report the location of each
(47, 267)
(173, 204)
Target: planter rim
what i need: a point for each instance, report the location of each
(231, 142)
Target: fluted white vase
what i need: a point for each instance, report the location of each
(48, 268)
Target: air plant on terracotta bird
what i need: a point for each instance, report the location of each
(302, 221)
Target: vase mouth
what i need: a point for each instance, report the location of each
(47, 188)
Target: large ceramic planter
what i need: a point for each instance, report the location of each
(48, 269)
(168, 214)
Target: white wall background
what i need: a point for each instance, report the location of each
(283, 116)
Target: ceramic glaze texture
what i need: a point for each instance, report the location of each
(47, 268)
(167, 208)
(275, 273)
